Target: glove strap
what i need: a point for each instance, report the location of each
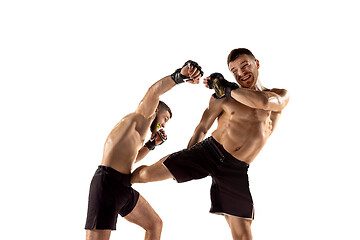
(178, 77)
(150, 144)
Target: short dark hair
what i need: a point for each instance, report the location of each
(235, 53)
(163, 107)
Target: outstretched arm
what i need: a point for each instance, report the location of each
(150, 101)
(210, 114)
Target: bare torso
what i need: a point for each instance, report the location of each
(242, 130)
(124, 141)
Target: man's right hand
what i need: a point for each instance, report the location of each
(190, 72)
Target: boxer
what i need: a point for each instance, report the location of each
(247, 114)
(110, 190)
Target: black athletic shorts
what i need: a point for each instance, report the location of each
(110, 194)
(230, 193)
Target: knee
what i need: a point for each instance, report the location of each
(242, 236)
(158, 224)
(139, 175)
(143, 174)
(155, 225)
(243, 233)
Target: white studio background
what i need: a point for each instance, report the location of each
(70, 70)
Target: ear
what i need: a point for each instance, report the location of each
(156, 110)
(257, 63)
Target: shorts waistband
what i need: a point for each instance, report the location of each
(123, 178)
(223, 154)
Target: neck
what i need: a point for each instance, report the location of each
(258, 86)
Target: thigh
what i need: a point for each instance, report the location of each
(240, 227)
(190, 164)
(158, 171)
(143, 214)
(103, 204)
(98, 234)
(155, 172)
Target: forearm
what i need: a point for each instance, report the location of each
(161, 87)
(210, 114)
(266, 100)
(150, 101)
(250, 98)
(142, 153)
(198, 136)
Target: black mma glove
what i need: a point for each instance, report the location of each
(151, 143)
(179, 78)
(221, 86)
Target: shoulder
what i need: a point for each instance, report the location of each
(217, 105)
(217, 101)
(282, 96)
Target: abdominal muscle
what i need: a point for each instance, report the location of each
(242, 139)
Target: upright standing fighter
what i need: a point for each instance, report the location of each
(246, 118)
(110, 190)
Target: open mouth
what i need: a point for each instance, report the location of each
(245, 78)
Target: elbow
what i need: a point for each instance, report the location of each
(153, 91)
(276, 104)
(284, 100)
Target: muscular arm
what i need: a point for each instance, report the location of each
(210, 114)
(271, 100)
(150, 101)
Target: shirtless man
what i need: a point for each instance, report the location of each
(110, 190)
(246, 118)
